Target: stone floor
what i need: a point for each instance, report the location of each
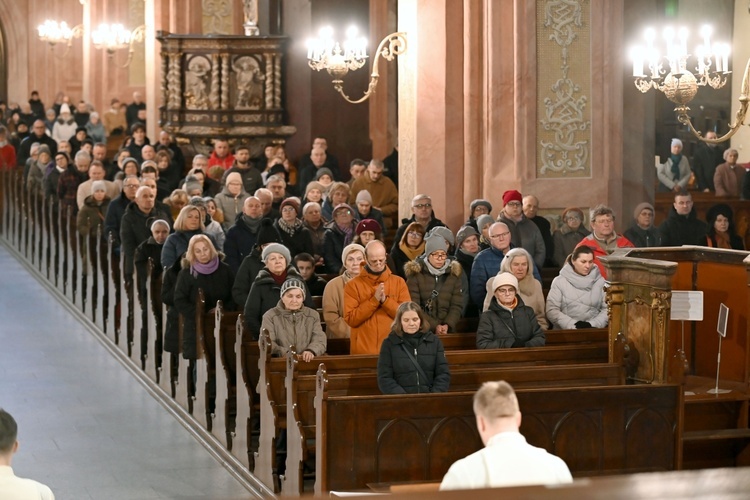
(87, 428)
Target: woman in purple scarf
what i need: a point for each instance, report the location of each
(201, 268)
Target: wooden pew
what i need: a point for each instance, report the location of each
(468, 340)
(273, 372)
(301, 391)
(596, 430)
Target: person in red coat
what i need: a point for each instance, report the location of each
(603, 239)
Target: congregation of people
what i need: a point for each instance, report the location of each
(266, 236)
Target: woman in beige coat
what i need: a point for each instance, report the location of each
(333, 295)
(291, 323)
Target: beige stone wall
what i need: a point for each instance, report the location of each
(483, 74)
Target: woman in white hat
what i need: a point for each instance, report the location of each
(508, 322)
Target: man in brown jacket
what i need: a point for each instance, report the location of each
(381, 188)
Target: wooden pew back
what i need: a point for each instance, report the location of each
(597, 431)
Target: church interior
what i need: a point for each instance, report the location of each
(462, 100)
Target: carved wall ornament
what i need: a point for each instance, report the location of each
(563, 42)
(248, 83)
(217, 16)
(197, 82)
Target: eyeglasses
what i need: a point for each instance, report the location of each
(500, 235)
(572, 217)
(341, 212)
(288, 209)
(506, 291)
(439, 256)
(515, 204)
(136, 186)
(414, 234)
(423, 205)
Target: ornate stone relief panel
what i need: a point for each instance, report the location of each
(563, 88)
(217, 17)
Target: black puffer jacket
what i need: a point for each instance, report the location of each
(216, 286)
(398, 375)
(264, 295)
(501, 328)
(680, 230)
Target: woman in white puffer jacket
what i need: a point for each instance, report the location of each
(576, 297)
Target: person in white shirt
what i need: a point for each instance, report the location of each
(11, 486)
(507, 459)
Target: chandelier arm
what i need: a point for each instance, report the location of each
(739, 120)
(396, 45)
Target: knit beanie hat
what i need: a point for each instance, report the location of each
(484, 220)
(98, 186)
(480, 203)
(233, 177)
(640, 207)
(341, 206)
(433, 244)
(290, 202)
(267, 233)
(444, 232)
(354, 247)
(511, 195)
(64, 108)
(192, 184)
(323, 171)
(276, 248)
(148, 163)
(291, 283)
(676, 142)
(43, 148)
(314, 185)
(464, 233)
(368, 225)
(364, 195)
(504, 279)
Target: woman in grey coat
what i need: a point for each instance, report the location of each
(576, 297)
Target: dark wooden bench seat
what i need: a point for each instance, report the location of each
(301, 390)
(597, 431)
(271, 386)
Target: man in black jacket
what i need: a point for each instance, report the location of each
(682, 226)
(39, 135)
(135, 227)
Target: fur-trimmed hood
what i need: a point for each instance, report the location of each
(416, 266)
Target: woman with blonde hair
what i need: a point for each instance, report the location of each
(189, 223)
(202, 268)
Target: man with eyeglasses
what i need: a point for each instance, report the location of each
(487, 262)
(682, 226)
(523, 232)
(38, 134)
(117, 207)
(603, 239)
(371, 301)
(421, 209)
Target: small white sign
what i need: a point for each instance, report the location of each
(721, 326)
(687, 305)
